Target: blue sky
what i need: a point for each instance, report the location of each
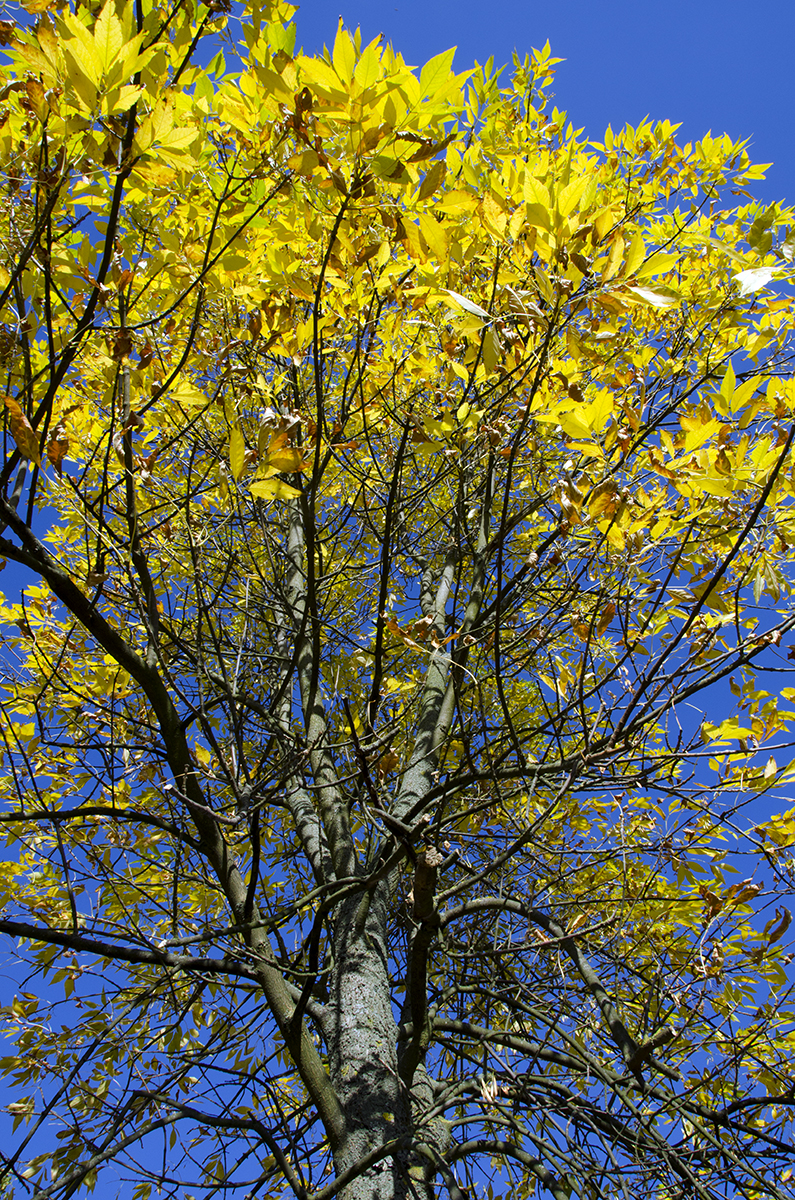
(718, 65)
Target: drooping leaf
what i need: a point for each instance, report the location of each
(649, 296)
(468, 305)
(274, 489)
(237, 453)
(22, 431)
(754, 279)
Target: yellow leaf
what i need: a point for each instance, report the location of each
(414, 244)
(599, 412)
(658, 299)
(574, 425)
(313, 70)
(635, 255)
(436, 72)
(657, 264)
(743, 394)
(435, 236)
(605, 618)
(731, 728)
(156, 126)
(604, 499)
(121, 99)
(728, 383)
(603, 223)
(288, 460)
(81, 76)
(698, 432)
(273, 489)
(108, 36)
(83, 50)
(237, 453)
(494, 215)
(614, 258)
(536, 193)
(491, 349)
(570, 195)
(458, 202)
(177, 139)
(468, 305)
(368, 68)
(343, 55)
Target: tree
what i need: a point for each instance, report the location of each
(393, 738)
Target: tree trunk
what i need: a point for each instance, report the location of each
(363, 1065)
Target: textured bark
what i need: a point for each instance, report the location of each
(380, 1109)
(362, 1051)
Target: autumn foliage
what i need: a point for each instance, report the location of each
(395, 716)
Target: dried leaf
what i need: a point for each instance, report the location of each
(121, 344)
(58, 447)
(776, 928)
(22, 431)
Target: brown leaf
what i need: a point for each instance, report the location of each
(22, 431)
(712, 902)
(148, 466)
(303, 101)
(387, 762)
(605, 619)
(33, 100)
(121, 345)
(778, 926)
(367, 252)
(741, 893)
(339, 182)
(58, 447)
(429, 149)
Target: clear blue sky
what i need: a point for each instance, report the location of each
(718, 65)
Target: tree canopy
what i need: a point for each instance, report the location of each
(394, 718)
